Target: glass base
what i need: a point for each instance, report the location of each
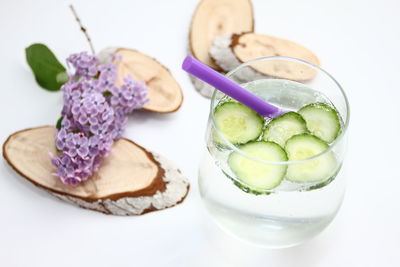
(278, 220)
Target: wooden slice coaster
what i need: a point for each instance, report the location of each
(230, 51)
(165, 94)
(131, 180)
(213, 18)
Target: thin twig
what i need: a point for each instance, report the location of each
(83, 29)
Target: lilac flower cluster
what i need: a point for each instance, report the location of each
(94, 115)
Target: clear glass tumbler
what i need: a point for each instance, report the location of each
(292, 212)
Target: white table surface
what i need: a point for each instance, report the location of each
(357, 41)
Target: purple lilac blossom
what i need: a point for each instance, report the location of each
(94, 115)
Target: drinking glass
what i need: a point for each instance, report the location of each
(292, 212)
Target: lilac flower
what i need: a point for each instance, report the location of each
(119, 123)
(105, 143)
(85, 65)
(97, 162)
(72, 92)
(94, 115)
(70, 180)
(93, 145)
(130, 96)
(62, 137)
(63, 164)
(107, 81)
(65, 169)
(90, 85)
(108, 69)
(94, 103)
(67, 125)
(83, 169)
(99, 129)
(77, 145)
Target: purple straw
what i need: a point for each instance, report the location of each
(230, 88)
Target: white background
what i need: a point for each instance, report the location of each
(358, 42)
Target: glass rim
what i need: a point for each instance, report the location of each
(237, 149)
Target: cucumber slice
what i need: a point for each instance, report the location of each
(280, 129)
(238, 123)
(255, 174)
(304, 146)
(322, 120)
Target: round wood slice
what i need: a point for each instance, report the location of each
(131, 180)
(217, 17)
(230, 51)
(165, 94)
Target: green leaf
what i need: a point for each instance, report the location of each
(107, 94)
(49, 73)
(59, 121)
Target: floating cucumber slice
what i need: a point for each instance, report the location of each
(280, 129)
(322, 120)
(238, 123)
(255, 174)
(304, 146)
